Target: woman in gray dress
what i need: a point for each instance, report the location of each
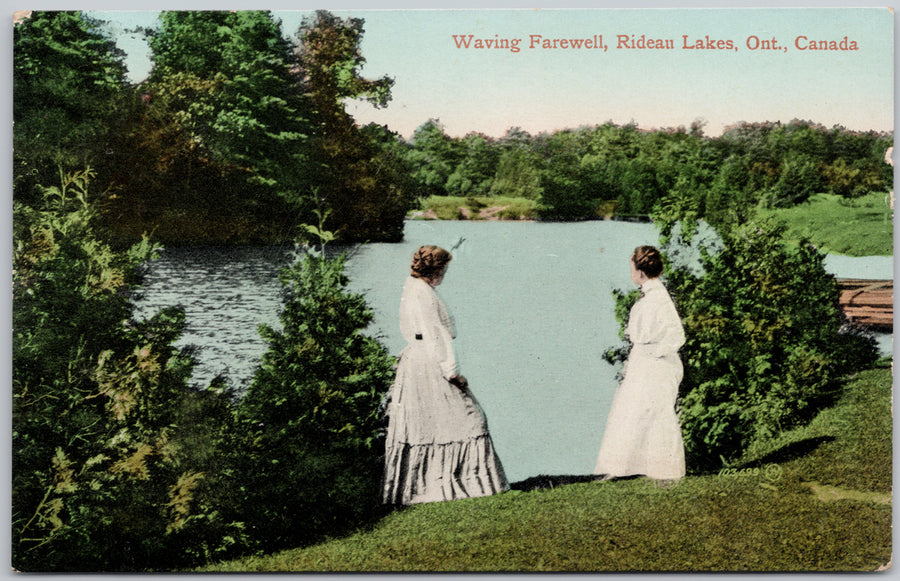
(438, 446)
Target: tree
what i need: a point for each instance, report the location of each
(474, 174)
(242, 102)
(729, 200)
(364, 202)
(101, 478)
(517, 175)
(799, 178)
(68, 86)
(212, 148)
(517, 169)
(434, 155)
(564, 193)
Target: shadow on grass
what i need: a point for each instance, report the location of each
(544, 482)
(790, 452)
(786, 453)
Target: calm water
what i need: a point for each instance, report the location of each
(531, 302)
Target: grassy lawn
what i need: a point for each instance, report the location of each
(816, 499)
(860, 227)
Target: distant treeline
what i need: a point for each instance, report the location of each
(245, 143)
(600, 170)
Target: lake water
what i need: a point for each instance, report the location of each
(531, 303)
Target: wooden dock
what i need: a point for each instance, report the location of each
(868, 302)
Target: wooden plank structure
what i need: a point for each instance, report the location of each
(868, 302)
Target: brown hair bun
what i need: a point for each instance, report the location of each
(648, 260)
(428, 261)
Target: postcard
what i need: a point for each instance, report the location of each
(443, 290)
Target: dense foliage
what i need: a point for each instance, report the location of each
(359, 182)
(240, 103)
(242, 144)
(119, 466)
(67, 83)
(227, 129)
(102, 479)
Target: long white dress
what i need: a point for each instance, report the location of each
(643, 435)
(437, 446)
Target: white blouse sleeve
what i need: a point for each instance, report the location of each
(654, 327)
(423, 318)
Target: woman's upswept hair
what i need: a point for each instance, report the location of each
(648, 260)
(428, 261)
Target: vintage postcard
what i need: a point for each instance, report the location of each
(446, 290)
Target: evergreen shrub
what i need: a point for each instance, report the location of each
(312, 462)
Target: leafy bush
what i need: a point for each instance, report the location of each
(68, 83)
(766, 341)
(100, 480)
(311, 463)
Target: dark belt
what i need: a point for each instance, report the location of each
(418, 336)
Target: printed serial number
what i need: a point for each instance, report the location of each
(769, 471)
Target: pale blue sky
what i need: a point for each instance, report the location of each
(491, 90)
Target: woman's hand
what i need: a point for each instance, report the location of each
(459, 381)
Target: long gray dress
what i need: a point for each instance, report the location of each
(438, 446)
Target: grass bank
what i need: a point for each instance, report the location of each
(815, 499)
(859, 227)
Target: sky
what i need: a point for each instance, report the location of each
(746, 64)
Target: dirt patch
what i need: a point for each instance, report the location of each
(428, 214)
(487, 214)
(827, 493)
(492, 212)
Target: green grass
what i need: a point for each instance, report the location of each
(767, 517)
(860, 227)
(856, 435)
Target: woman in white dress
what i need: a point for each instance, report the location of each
(437, 446)
(643, 435)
